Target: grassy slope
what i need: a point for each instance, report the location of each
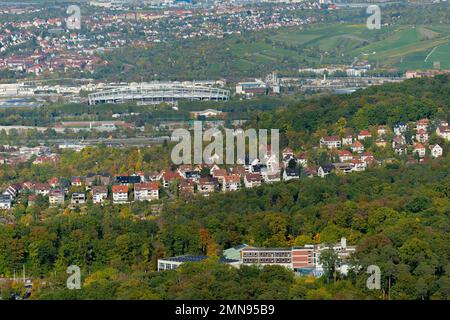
(404, 47)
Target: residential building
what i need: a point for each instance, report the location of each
(380, 143)
(169, 177)
(186, 188)
(436, 151)
(102, 179)
(400, 128)
(5, 202)
(120, 194)
(53, 182)
(270, 177)
(146, 191)
(422, 124)
(287, 152)
(231, 183)
(343, 167)
(330, 142)
(345, 155)
(76, 181)
(444, 132)
(381, 131)
(207, 185)
(56, 197)
(42, 189)
(347, 140)
(78, 198)
(357, 147)
(358, 165)
(291, 173)
(422, 136)
(99, 194)
(252, 180)
(325, 170)
(302, 159)
(364, 134)
(419, 149)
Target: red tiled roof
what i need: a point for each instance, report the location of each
(146, 186)
(418, 146)
(357, 144)
(233, 178)
(119, 189)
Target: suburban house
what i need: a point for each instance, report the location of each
(322, 171)
(99, 194)
(400, 128)
(53, 182)
(186, 188)
(345, 155)
(56, 197)
(419, 149)
(76, 181)
(380, 143)
(207, 185)
(252, 180)
(444, 132)
(382, 130)
(231, 183)
(269, 176)
(219, 174)
(422, 124)
(146, 191)
(363, 134)
(5, 202)
(347, 140)
(436, 151)
(41, 188)
(358, 165)
(367, 157)
(357, 147)
(102, 179)
(120, 194)
(287, 152)
(291, 173)
(330, 142)
(422, 136)
(343, 167)
(78, 198)
(169, 177)
(239, 170)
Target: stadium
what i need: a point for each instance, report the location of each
(154, 93)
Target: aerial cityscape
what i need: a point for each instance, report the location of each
(224, 150)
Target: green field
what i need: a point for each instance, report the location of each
(405, 47)
(259, 53)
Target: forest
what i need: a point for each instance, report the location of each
(396, 214)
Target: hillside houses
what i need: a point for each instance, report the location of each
(330, 142)
(146, 191)
(334, 155)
